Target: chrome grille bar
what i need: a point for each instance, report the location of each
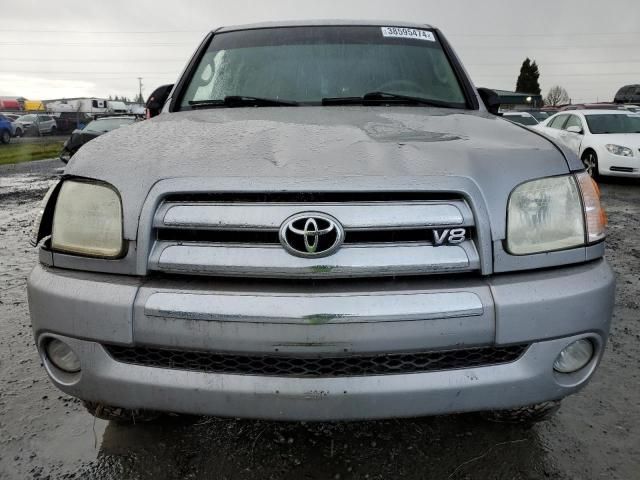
(349, 261)
(241, 237)
(352, 216)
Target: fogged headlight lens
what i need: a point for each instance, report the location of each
(88, 220)
(619, 150)
(545, 215)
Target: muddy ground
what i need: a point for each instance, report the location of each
(47, 435)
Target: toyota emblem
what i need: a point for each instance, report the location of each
(311, 235)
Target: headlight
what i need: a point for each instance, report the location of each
(619, 150)
(88, 220)
(594, 214)
(555, 213)
(545, 215)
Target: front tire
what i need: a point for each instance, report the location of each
(119, 414)
(590, 161)
(5, 137)
(525, 415)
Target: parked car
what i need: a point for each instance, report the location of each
(591, 106)
(16, 128)
(11, 116)
(631, 108)
(523, 118)
(38, 124)
(6, 129)
(92, 130)
(324, 222)
(628, 94)
(539, 115)
(607, 141)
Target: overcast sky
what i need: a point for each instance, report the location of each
(69, 48)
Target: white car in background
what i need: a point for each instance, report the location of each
(40, 124)
(523, 118)
(607, 141)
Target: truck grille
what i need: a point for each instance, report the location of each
(343, 366)
(385, 234)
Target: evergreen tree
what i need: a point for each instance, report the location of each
(528, 78)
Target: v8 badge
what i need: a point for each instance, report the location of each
(449, 236)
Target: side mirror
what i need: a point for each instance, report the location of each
(157, 99)
(574, 129)
(491, 100)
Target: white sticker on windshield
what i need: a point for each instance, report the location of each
(401, 32)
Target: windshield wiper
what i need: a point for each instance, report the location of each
(242, 101)
(382, 98)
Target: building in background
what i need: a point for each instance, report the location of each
(518, 101)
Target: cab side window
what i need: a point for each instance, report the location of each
(574, 121)
(558, 122)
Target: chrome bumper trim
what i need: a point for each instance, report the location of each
(315, 308)
(349, 261)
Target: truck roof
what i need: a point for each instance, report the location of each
(323, 23)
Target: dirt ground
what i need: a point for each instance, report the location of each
(45, 434)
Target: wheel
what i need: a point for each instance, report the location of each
(19, 132)
(590, 160)
(524, 415)
(5, 137)
(53, 131)
(119, 414)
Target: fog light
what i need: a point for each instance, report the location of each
(61, 355)
(574, 357)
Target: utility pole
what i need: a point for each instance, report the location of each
(140, 86)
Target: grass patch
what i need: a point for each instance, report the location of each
(26, 152)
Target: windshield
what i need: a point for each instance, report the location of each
(27, 118)
(305, 65)
(107, 125)
(613, 123)
(522, 120)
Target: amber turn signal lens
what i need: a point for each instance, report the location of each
(594, 214)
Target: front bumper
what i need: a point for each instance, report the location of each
(547, 309)
(619, 166)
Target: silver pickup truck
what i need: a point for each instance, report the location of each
(325, 222)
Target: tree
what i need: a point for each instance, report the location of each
(528, 78)
(139, 98)
(556, 96)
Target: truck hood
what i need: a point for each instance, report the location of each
(286, 148)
